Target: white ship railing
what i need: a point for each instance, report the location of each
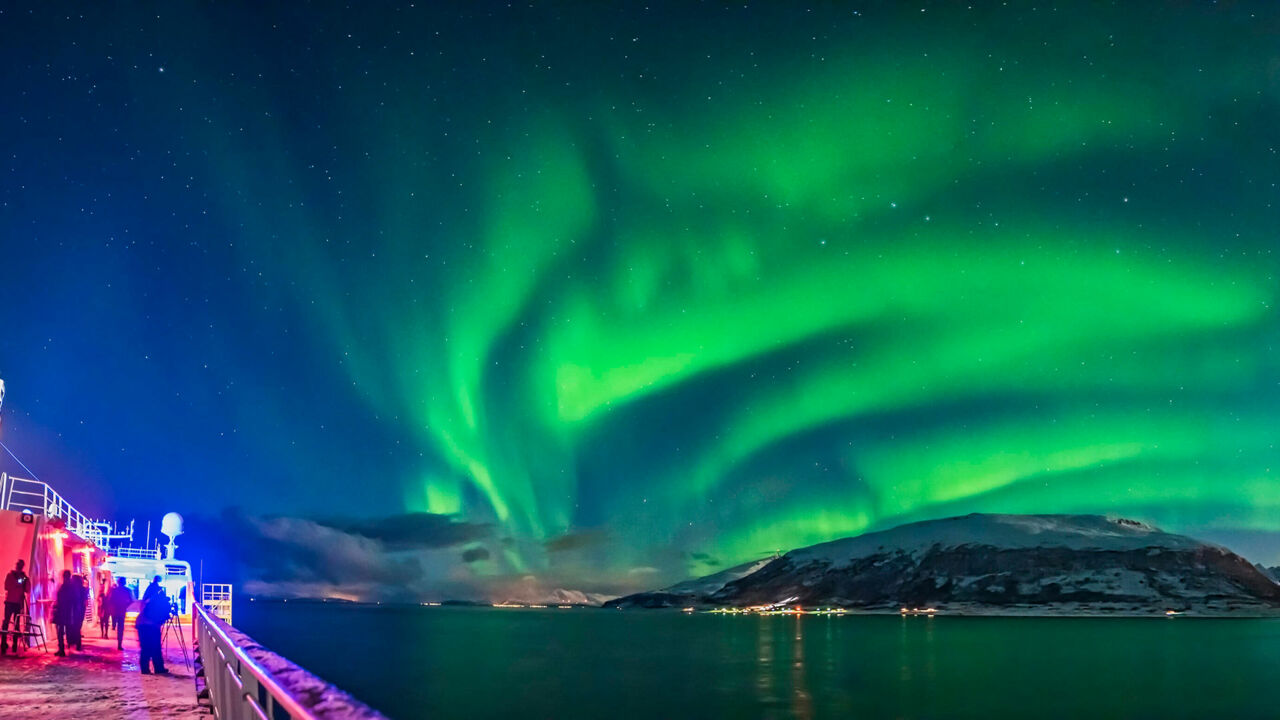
(217, 597)
(240, 688)
(136, 553)
(37, 497)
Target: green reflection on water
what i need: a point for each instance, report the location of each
(476, 663)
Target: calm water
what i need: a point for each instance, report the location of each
(490, 663)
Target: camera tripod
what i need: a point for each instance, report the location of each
(173, 626)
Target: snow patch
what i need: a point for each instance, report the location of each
(711, 583)
(1074, 532)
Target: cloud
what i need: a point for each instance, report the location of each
(576, 541)
(391, 558)
(415, 530)
(402, 558)
(473, 554)
(297, 549)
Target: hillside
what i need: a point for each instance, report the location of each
(984, 563)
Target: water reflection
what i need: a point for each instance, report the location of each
(776, 691)
(917, 664)
(904, 662)
(930, 650)
(640, 666)
(801, 703)
(904, 653)
(764, 662)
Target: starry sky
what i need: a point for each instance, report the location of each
(612, 294)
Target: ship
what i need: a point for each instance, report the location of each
(234, 676)
(51, 535)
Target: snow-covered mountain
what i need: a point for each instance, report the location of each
(690, 592)
(978, 562)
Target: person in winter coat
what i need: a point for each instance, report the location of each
(118, 603)
(150, 623)
(104, 613)
(152, 589)
(16, 587)
(74, 635)
(64, 612)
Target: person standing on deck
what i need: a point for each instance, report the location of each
(75, 634)
(64, 612)
(16, 585)
(104, 611)
(151, 620)
(119, 601)
(152, 589)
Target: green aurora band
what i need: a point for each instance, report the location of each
(798, 295)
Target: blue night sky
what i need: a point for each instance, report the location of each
(602, 297)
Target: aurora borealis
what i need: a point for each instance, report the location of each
(652, 290)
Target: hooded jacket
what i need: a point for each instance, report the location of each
(118, 601)
(16, 586)
(66, 603)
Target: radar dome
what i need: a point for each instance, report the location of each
(171, 524)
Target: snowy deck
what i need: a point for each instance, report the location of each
(101, 682)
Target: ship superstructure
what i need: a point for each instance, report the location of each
(139, 565)
(39, 527)
(42, 528)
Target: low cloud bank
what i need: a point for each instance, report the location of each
(413, 557)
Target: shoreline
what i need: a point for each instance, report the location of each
(953, 610)
(1002, 612)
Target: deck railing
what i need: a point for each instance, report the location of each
(36, 496)
(241, 688)
(136, 553)
(217, 597)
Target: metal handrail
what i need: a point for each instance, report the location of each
(217, 597)
(38, 497)
(212, 636)
(136, 553)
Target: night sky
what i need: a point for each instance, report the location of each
(601, 297)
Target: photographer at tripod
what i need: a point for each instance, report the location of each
(16, 587)
(151, 619)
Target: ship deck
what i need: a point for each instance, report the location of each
(100, 682)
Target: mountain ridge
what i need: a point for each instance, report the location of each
(985, 563)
